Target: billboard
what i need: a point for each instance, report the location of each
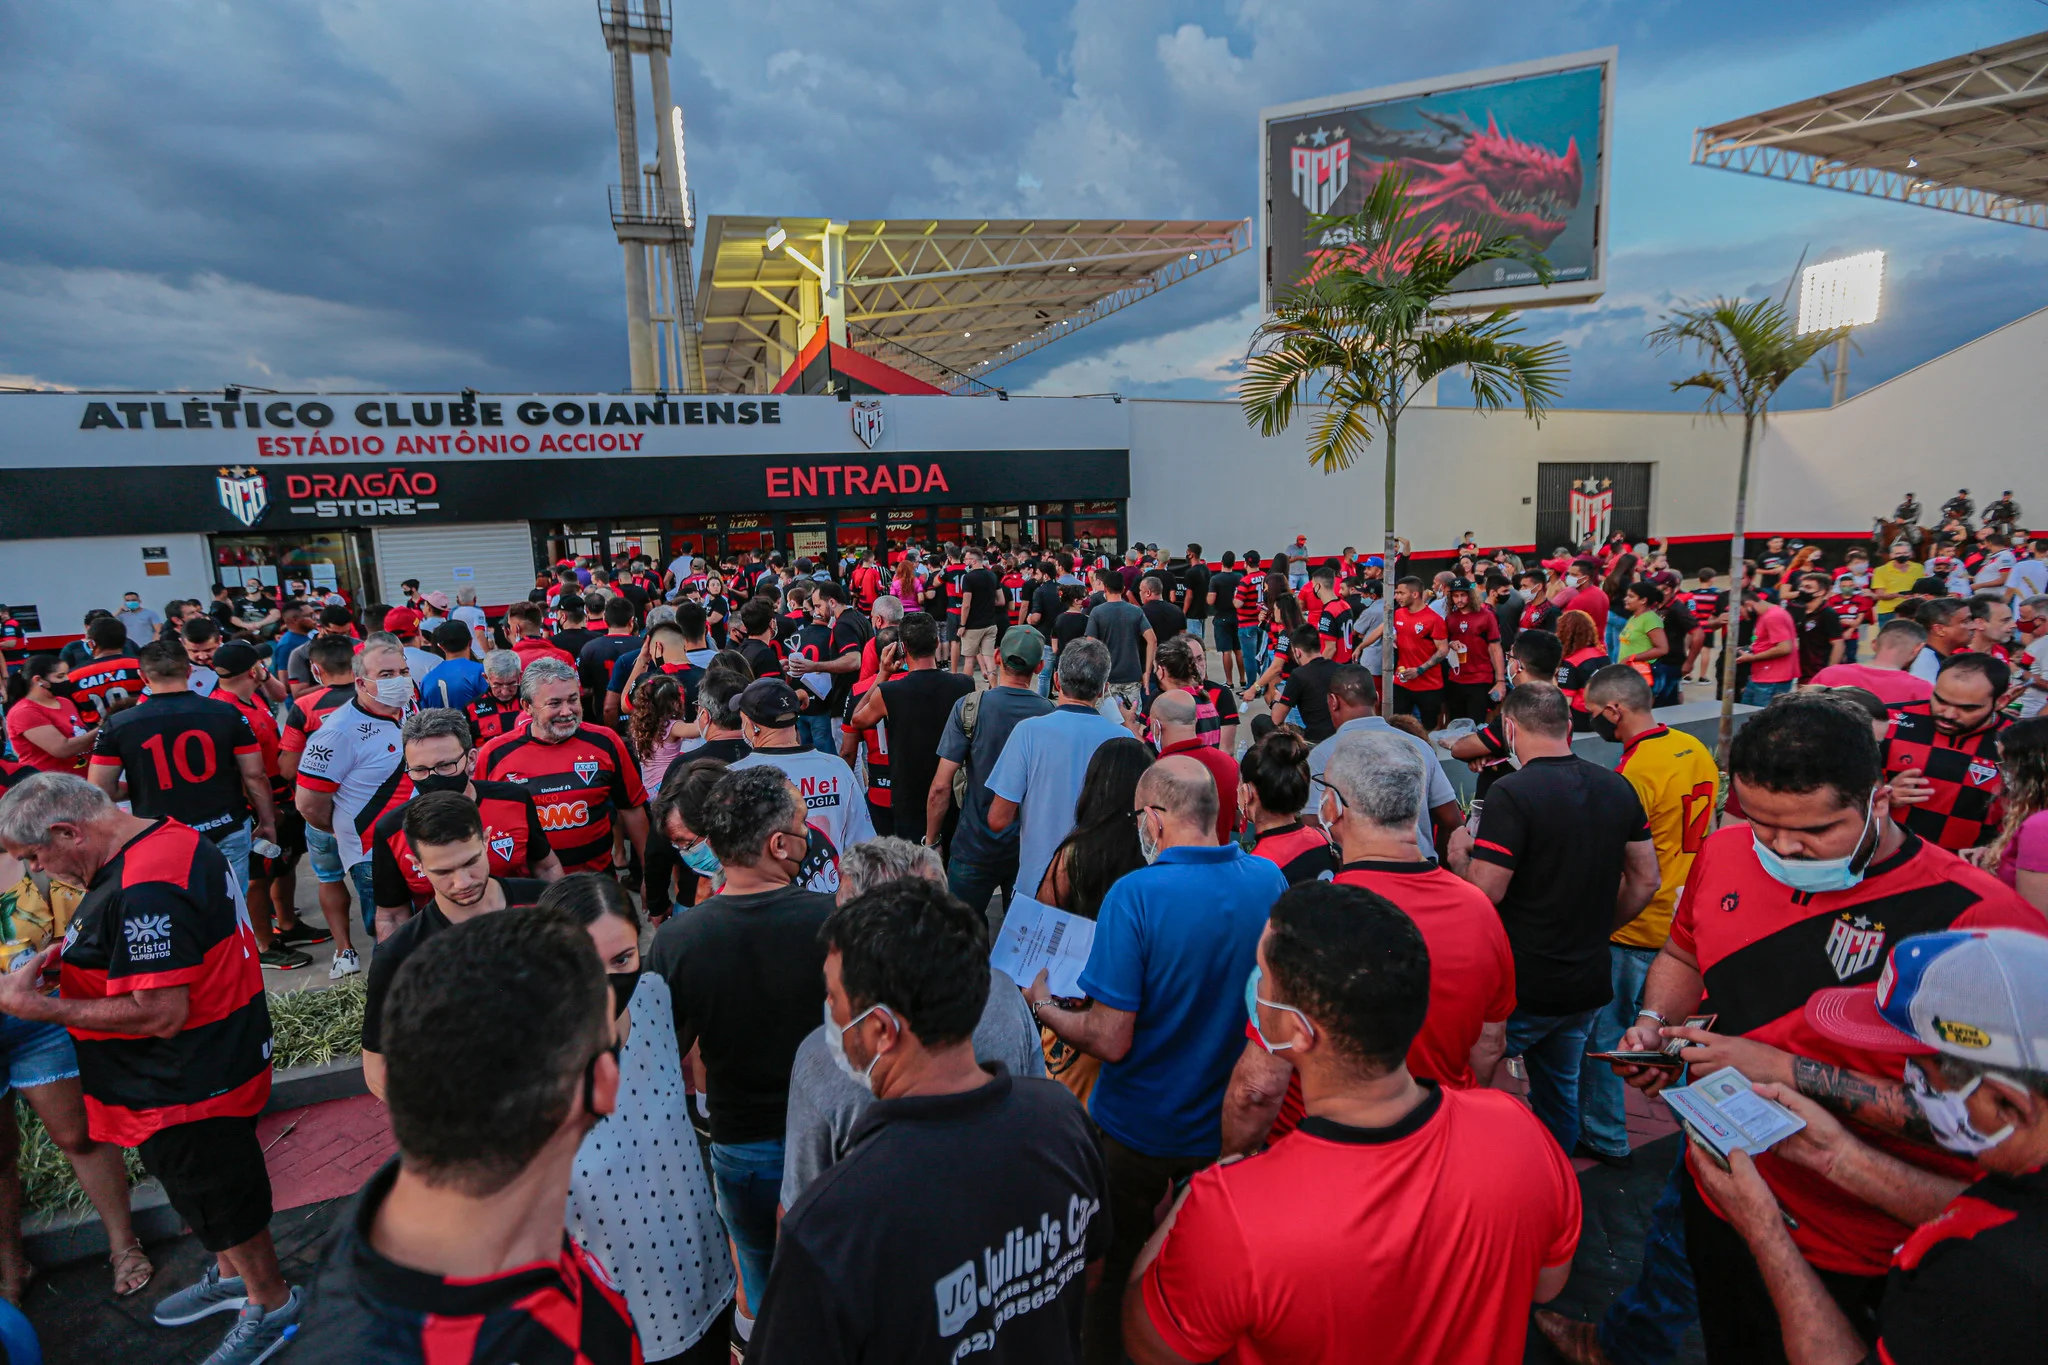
(1516, 149)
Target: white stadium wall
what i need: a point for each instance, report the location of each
(64, 579)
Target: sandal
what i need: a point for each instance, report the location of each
(128, 1265)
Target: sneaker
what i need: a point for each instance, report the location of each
(257, 1335)
(1585, 1149)
(283, 959)
(346, 963)
(212, 1294)
(303, 934)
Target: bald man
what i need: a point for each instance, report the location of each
(1173, 730)
(1174, 943)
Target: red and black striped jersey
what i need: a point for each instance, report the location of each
(1303, 854)
(179, 753)
(1764, 949)
(13, 639)
(1333, 623)
(306, 712)
(1968, 804)
(98, 681)
(166, 912)
(489, 717)
(875, 740)
(1215, 708)
(578, 784)
(12, 772)
(263, 725)
(513, 837)
(1251, 598)
(365, 1307)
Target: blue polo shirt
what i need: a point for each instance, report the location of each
(1173, 944)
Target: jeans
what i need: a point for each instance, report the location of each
(1552, 1047)
(1763, 693)
(1296, 582)
(746, 1177)
(1665, 689)
(976, 883)
(235, 848)
(324, 851)
(817, 732)
(1045, 680)
(1602, 1120)
(1251, 642)
(1613, 634)
(1647, 1324)
(366, 896)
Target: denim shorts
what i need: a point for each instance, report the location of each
(35, 1053)
(324, 851)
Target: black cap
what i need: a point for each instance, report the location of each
(235, 658)
(770, 702)
(1459, 585)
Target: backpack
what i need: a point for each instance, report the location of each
(970, 714)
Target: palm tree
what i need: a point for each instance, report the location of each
(1750, 350)
(1364, 337)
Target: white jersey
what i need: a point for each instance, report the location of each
(835, 808)
(357, 757)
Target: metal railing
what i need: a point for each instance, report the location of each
(638, 206)
(871, 342)
(643, 16)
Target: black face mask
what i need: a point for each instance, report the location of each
(62, 689)
(623, 985)
(436, 782)
(1606, 729)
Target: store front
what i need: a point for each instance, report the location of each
(299, 564)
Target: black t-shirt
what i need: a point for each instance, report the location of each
(1560, 826)
(1967, 1285)
(760, 656)
(809, 640)
(981, 612)
(918, 704)
(954, 1224)
(1818, 630)
(572, 640)
(1224, 585)
(1166, 619)
(1308, 693)
(747, 977)
(405, 941)
(1045, 600)
(178, 751)
(849, 634)
(1195, 580)
(594, 661)
(1068, 627)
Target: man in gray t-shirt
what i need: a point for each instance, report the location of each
(985, 862)
(1122, 626)
(825, 1103)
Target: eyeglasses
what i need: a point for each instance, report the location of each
(1140, 811)
(446, 768)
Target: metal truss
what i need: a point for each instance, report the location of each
(1966, 135)
(945, 300)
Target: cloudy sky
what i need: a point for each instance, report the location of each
(382, 194)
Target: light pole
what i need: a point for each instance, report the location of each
(1842, 293)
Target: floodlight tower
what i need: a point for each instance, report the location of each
(652, 211)
(1842, 294)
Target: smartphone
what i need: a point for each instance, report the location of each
(1668, 1055)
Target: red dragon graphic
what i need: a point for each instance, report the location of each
(1467, 183)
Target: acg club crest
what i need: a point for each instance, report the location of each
(1854, 942)
(1592, 509)
(867, 421)
(1319, 173)
(244, 492)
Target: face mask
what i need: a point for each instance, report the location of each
(1948, 1114)
(1252, 1001)
(130, 605)
(1147, 845)
(1507, 737)
(623, 984)
(394, 691)
(62, 689)
(835, 1043)
(438, 782)
(1574, 581)
(1815, 875)
(1606, 729)
(701, 860)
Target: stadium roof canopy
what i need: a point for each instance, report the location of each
(946, 300)
(1967, 135)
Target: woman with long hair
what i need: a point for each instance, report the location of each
(658, 705)
(1805, 558)
(1272, 793)
(681, 872)
(43, 723)
(1102, 847)
(640, 1201)
(1620, 574)
(2019, 855)
(1282, 618)
(1584, 656)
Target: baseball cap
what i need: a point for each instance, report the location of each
(235, 658)
(1022, 646)
(770, 702)
(1375, 561)
(402, 621)
(1978, 994)
(1460, 585)
(437, 599)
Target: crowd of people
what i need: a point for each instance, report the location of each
(674, 889)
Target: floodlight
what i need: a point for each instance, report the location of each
(1841, 293)
(776, 236)
(675, 123)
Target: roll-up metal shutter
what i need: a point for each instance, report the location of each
(495, 558)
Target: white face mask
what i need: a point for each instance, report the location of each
(835, 1043)
(1147, 845)
(394, 691)
(1948, 1114)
